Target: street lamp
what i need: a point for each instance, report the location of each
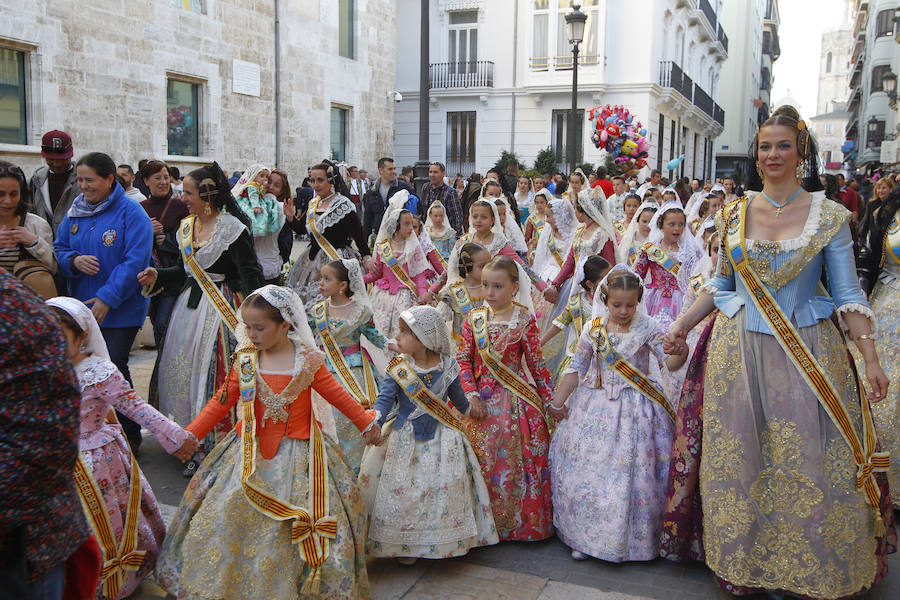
(889, 84)
(575, 21)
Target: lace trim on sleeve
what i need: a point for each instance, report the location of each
(857, 308)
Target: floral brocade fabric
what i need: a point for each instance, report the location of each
(512, 442)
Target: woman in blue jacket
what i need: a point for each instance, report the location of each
(104, 241)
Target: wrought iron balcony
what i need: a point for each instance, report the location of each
(468, 74)
(703, 101)
(671, 76)
(709, 12)
(723, 39)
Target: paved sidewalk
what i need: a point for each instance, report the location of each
(510, 570)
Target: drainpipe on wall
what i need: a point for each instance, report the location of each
(512, 113)
(277, 87)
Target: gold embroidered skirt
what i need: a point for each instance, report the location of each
(778, 483)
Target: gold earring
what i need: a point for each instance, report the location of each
(759, 171)
(800, 171)
(207, 210)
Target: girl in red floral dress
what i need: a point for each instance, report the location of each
(509, 430)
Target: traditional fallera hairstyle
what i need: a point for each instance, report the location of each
(333, 174)
(807, 148)
(213, 187)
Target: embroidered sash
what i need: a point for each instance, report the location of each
(552, 247)
(213, 293)
(892, 239)
(577, 314)
(867, 460)
(313, 527)
(344, 374)
(479, 319)
(576, 239)
(324, 244)
(634, 377)
(116, 561)
(697, 283)
(620, 228)
(462, 298)
(660, 257)
(387, 255)
(410, 382)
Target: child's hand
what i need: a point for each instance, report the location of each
(373, 436)
(558, 413)
(187, 450)
(257, 210)
(476, 409)
(393, 347)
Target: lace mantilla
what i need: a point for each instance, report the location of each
(339, 208)
(226, 230)
(93, 370)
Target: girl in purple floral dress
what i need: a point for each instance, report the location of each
(102, 444)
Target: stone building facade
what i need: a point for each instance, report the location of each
(192, 81)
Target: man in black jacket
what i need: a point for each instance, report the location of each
(376, 199)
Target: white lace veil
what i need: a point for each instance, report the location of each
(593, 202)
(357, 285)
(693, 210)
(413, 254)
(632, 230)
(599, 308)
(689, 252)
(293, 311)
(565, 224)
(96, 345)
(448, 231)
(493, 248)
(511, 230)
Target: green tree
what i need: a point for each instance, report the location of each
(505, 159)
(612, 169)
(586, 167)
(545, 161)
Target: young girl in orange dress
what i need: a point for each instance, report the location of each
(273, 511)
(513, 438)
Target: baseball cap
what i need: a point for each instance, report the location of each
(56, 144)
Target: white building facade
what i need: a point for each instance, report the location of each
(834, 70)
(746, 81)
(191, 81)
(501, 79)
(875, 53)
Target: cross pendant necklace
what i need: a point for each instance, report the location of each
(780, 207)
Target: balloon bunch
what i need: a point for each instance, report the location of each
(616, 131)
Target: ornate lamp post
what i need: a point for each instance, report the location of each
(575, 21)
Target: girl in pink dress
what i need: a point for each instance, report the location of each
(102, 444)
(400, 267)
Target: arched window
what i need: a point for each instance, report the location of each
(828, 63)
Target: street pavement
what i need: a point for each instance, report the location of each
(509, 570)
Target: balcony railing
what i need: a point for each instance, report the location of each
(469, 74)
(671, 76)
(719, 115)
(709, 11)
(723, 39)
(703, 101)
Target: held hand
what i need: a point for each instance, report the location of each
(157, 226)
(476, 409)
(878, 381)
(373, 436)
(675, 340)
(147, 276)
(558, 413)
(98, 308)
(187, 450)
(551, 294)
(426, 298)
(369, 264)
(87, 264)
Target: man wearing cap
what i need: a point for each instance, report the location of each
(54, 186)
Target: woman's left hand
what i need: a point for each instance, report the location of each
(98, 307)
(878, 381)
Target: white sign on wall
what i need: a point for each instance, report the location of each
(888, 152)
(245, 78)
